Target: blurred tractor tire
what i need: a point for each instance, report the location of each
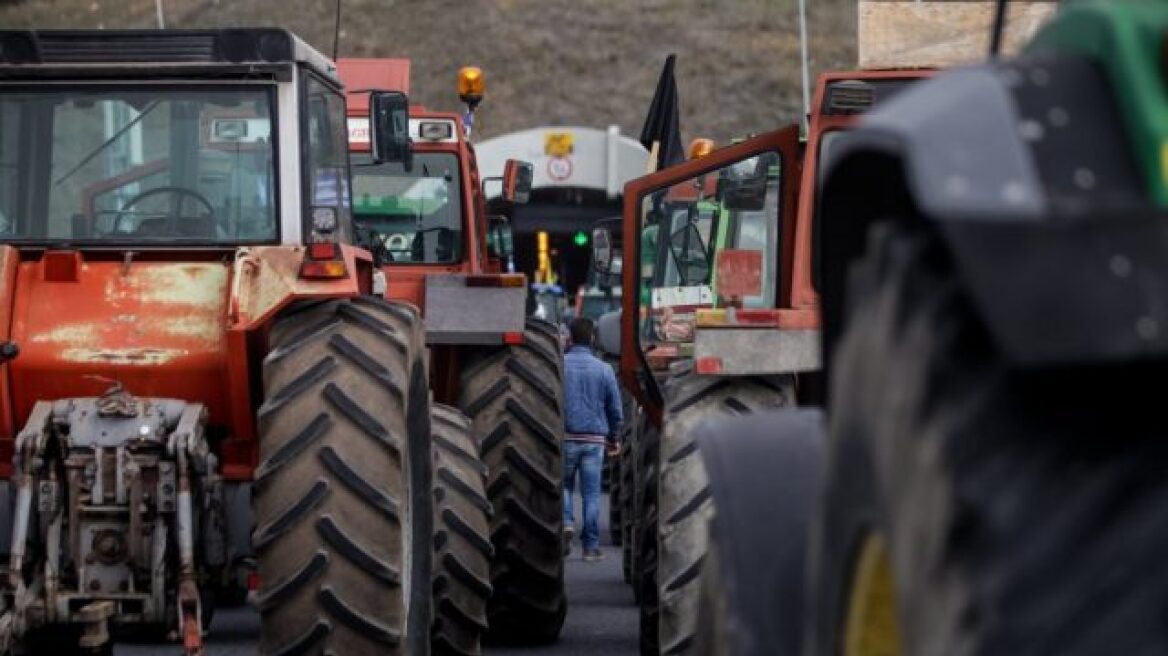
(342, 492)
(616, 474)
(684, 503)
(462, 539)
(1021, 510)
(764, 467)
(625, 496)
(514, 398)
(645, 546)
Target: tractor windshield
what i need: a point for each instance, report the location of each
(409, 217)
(736, 207)
(140, 165)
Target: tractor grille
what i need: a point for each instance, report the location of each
(67, 48)
(227, 46)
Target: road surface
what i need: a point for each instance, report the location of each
(602, 618)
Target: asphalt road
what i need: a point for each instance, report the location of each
(602, 618)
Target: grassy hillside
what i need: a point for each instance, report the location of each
(587, 62)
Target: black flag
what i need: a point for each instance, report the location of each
(661, 125)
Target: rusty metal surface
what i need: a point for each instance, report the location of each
(266, 278)
(164, 329)
(157, 327)
(751, 351)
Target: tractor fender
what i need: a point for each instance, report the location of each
(764, 473)
(1024, 171)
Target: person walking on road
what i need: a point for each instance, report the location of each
(592, 418)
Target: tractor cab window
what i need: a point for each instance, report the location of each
(687, 260)
(687, 224)
(409, 216)
(327, 163)
(149, 165)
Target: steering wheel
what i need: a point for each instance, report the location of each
(173, 216)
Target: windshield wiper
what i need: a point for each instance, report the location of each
(141, 115)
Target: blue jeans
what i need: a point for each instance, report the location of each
(587, 460)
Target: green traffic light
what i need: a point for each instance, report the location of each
(580, 238)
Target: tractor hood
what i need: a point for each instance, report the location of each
(156, 327)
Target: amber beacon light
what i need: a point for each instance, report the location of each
(471, 85)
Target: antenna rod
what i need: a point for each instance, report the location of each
(999, 29)
(806, 63)
(337, 31)
(158, 11)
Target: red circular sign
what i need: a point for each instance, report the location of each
(559, 168)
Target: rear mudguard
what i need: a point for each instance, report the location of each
(1025, 171)
(764, 473)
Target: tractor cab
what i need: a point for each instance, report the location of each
(423, 211)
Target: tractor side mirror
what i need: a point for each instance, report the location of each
(500, 242)
(389, 127)
(517, 176)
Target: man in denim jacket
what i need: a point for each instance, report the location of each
(592, 416)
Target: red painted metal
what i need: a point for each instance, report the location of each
(179, 324)
(361, 75)
(708, 365)
(9, 262)
(800, 293)
(739, 273)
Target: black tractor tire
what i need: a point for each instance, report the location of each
(751, 591)
(644, 492)
(342, 492)
(684, 502)
(615, 508)
(462, 537)
(514, 398)
(645, 545)
(1022, 510)
(625, 496)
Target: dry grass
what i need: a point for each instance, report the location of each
(584, 62)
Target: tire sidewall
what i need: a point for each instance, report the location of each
(848, 512)
(421, 516)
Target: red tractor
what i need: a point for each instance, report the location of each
(726, 322)
(196, 376)
(422, 211)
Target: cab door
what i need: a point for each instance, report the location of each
(675, 221)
